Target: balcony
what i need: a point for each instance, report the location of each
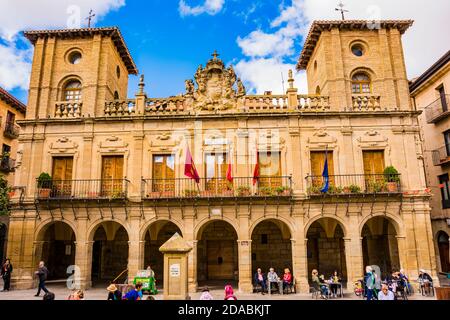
(82, 190)
(438, 110)
(366, 102)
(355, 185)
(7, 165)
(68, 109)
(120, 108)
(273, 187)
(441, 156)
(11, 131)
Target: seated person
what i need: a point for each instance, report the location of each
(260, 280)
(323, 285)
(287, 279)
(385, 293)
(316, 282)
(425, 281)
(273, 279)
(334, 283)
(135, 294)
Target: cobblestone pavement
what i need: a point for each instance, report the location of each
(62, 293)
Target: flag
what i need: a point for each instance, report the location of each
(256, 173)
(189, 167)
(230, 178)
(325, 175)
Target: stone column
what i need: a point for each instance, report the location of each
(83, 261)
(353, 259)
(300, 255)
(192, 268)
(245, 266)
(134, 247)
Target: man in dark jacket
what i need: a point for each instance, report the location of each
(42, 273)
(6, 274)
(261, 280)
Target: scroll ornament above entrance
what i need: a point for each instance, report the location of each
(218, 87)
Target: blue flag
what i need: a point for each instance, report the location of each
(326, 176)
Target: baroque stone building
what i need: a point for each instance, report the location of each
(119, 189)
(430, 93)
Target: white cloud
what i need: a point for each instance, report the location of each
(423, 44)
(19, 15)
(211, 7)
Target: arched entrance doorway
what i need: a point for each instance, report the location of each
(443, 246)
(217, 252)
(109, 253)
(326, 248)
(380, 246)
(271, 247)
(57, 249)
(156, 235)
(3, 233)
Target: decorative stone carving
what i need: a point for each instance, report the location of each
(63, 145)
(322, 137)
(113, 144)
(215, 87)
(372, 138)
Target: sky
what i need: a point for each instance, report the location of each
(169, 39)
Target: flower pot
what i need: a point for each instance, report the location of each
(44, 193)
(347, 190)
(392, 187)
(154, 195)
(11, 194)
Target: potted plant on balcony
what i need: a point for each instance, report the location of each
(283, 191)
(392, 179)
(315, 190)
(377, 186)
(266, 191)
(243, 191)
(229, 192)
(355, 189)
(190, 193)
(44, 185)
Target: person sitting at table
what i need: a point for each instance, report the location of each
(425, 281)
(260, 280)
(287, 279)
(316, 283)
(323, 285)
(335, 280)
(273, 279)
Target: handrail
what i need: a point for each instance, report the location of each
(118, 277)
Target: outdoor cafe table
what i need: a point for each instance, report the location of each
(339, 285)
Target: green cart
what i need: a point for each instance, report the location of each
(148, 282)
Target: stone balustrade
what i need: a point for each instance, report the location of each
(266, 103)
(366, 103)
(120, 108)
(313, 103)
(171, 105)
(68, 109)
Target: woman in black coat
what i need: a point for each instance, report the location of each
(7, 269)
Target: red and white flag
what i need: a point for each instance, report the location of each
(189, 167)
(256, 173)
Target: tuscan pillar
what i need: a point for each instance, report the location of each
(134, 249)
(189, 236)
(245, 266)
(299, 256)
(354, 259)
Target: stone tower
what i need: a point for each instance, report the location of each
(350, 60)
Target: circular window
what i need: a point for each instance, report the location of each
(75, 57)
(358, 50)
(118, 71)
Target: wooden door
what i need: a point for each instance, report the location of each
(220, 259)
(62, 176)
(112, 176)
(374, 166)
(216, 172)
(163, 173)
(443, 99)
(317, 166)
(270, 169)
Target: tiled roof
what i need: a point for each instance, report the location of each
(12, 101)
(322, 25)
(438, 65)
(112, 32)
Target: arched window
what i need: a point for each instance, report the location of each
(361, 83)
(116, 95)
(72, 91)
(318, 91)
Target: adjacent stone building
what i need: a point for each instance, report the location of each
(119, 188)
(431, 94)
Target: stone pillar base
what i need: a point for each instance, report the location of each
(302, 287)
(22, 284)
(192, 287)
(245, 287)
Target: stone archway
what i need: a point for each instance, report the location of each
(326, 248)
(109, 253)
(155, 236)
(56, 244)
(379, 245)
(217, 252)
(443, 247)
(271, 247)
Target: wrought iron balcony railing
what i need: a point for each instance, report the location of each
(266, 187)
(82, 189)
(441, 156)
(11, 131)
(7, 165)
(354, 185)
(438, 110)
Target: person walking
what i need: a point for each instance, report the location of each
(369, 282)
(42, 274)
(229, 293)
(7, 269)
(134, 294)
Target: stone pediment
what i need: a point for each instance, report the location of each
(113, 144)
(322, 137)
(373, 138)
(216, 87)
(64, 144)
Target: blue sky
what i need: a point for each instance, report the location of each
(168, 39)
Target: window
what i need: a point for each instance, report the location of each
(5, 158)
(112, 176)
(72, 91)
(163, 173)
(443, 98)
(270, 169)
(447, 141)
(358, 49)
(361, 83)
(62, 175)
(445, 190)
(116, 95)
(317, 166)
(118, 72)
(318, 91)
(216, 171)
(374, 166)
(75, 57)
